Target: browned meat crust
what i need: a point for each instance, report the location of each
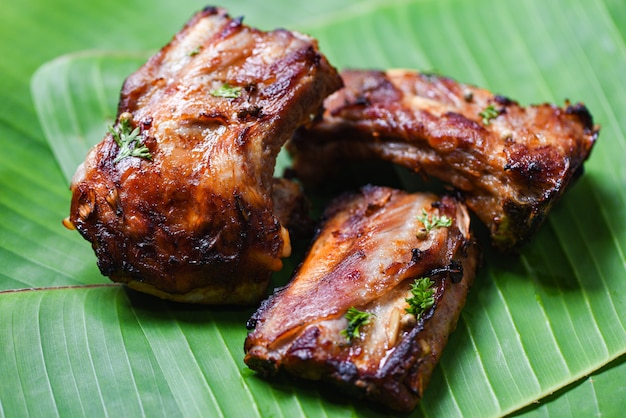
(511, 163)
(292, 208)
(195, 221)
(369, 250)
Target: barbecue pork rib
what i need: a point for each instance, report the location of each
(511, 163)
(371, 248)
(189, 214)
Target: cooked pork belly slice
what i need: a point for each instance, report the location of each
(372, 247)
(189, 215)
(510, 162)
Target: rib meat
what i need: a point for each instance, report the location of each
(366, 255)
(194, 219)
(511, 163)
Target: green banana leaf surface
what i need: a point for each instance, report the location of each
(542, 334)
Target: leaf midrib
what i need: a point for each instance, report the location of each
(5, 293)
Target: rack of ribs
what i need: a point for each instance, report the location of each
(177, 200)
(510, 163)
(372, 249)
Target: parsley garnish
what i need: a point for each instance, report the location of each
(489, 113)
(356, 319)
(432, 74)
(435, 221)
(128, 141)
(195, 51)
(423, 297)
(227, 91)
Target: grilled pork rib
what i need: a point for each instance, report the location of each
(510, 162)
(370, 249)
(191, 217)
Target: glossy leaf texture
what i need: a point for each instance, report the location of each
(543, 333)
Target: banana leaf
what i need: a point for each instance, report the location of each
(543, 332)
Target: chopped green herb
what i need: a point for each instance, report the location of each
(356, 319)
(432, 74)
(196, 51)
(489, 113)
(423, 297)
(227, 91)
(128, 141)
(435, 221)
